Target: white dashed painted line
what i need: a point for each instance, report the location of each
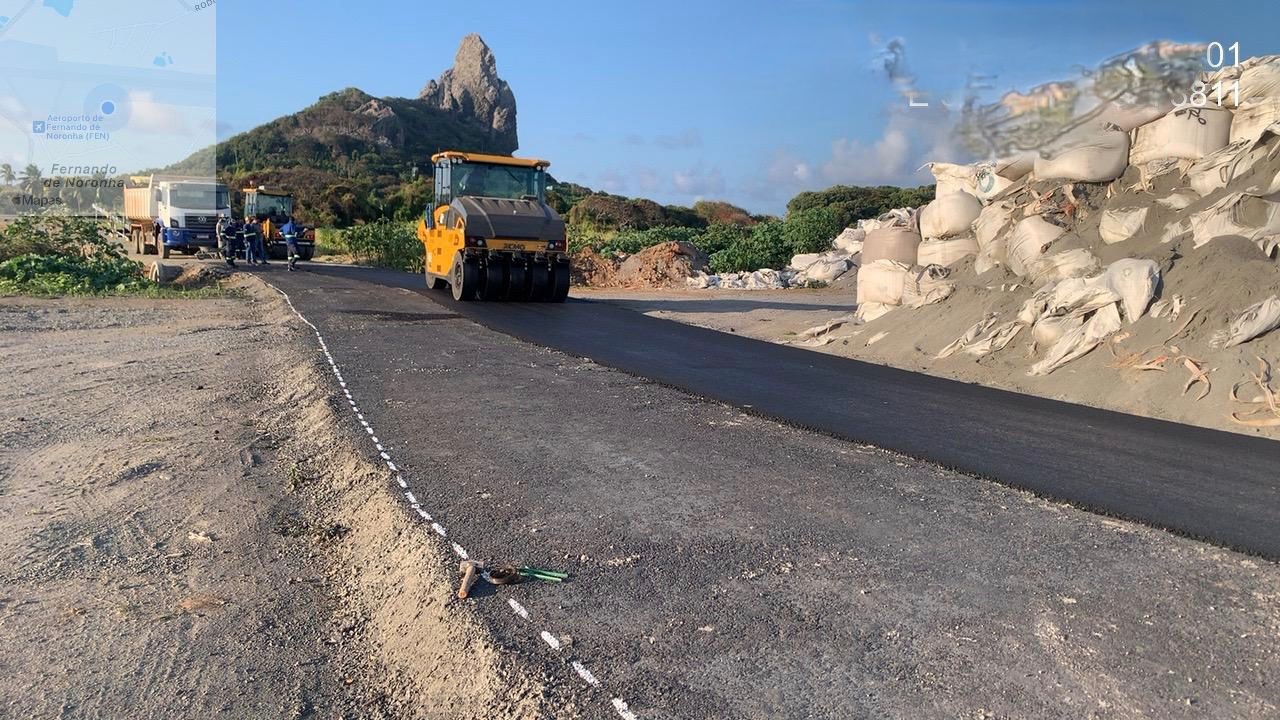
(623, 710)
(518, 608)
(585, 674)
(551, 640)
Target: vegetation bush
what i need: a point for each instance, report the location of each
(811, 230)
(386, 243)
(764, 246)
(52, 254)
(852, 204)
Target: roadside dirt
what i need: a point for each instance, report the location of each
(190, 534)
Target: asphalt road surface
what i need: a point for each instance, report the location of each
(726, 565)
(1206, 484)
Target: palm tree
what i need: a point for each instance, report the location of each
(31, 177)
(6, 174)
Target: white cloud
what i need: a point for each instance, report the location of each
(856, 163)
(698, 182)
(149, 116)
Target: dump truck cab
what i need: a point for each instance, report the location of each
(272, 208)
(489, 232)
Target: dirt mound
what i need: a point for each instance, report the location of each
(195, 276)
(594, 269)
(662, 265)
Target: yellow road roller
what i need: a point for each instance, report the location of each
(489, 233)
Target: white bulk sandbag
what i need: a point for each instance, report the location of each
(1016, 167)
(949, 215)
(1049, 330)
(1254, 78)
(969, 337)
(926, 286)
(1248, 160)
(764, 279)
(882, 282)
(804, 260)
(946, 252)
(994, 341)
(1177, 200)
(1254, 117)
(826, 269)
(1062, 266)
(1254, 218)
(1187, 134)
(1031, 237)
(1254, 321)
(890, 243)
(950, 178)
(1079, 341)
(1100, 157)
(992, 221)
(850, 240)
(1122, 223)
(989, 257)
(702, 281)
(1134, 281)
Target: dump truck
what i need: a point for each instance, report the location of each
(273, 208)
(188, 210)
(489, 232)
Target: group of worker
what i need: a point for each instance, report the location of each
(247, 237)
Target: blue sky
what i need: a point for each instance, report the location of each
(681, 100)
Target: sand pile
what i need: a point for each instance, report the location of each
(1144, 259)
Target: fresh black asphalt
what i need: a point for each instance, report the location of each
(726, 565)
(1206, 484)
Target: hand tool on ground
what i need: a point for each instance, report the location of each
(469, 570)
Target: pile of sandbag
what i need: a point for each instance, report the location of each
(946, 229)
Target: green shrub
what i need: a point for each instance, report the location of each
(57, 254)
(721, 236)
(811, 230)
(764, 246)
(386, 243)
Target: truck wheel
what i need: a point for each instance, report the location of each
(495, 278)
(309, 253)
(559, 281)
(517, 281)
(164, 250)
(464, 277)
(137, 242)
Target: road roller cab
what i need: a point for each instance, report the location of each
(489, 232)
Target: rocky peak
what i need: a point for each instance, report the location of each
(473, 89)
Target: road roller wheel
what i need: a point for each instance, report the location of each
(517, 281)
(464, 277)
(433, 283)
(539, 281)
(559, 281)
(495, 278)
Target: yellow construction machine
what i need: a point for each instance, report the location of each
(489, 232)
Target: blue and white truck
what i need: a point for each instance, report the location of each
(186, 210)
